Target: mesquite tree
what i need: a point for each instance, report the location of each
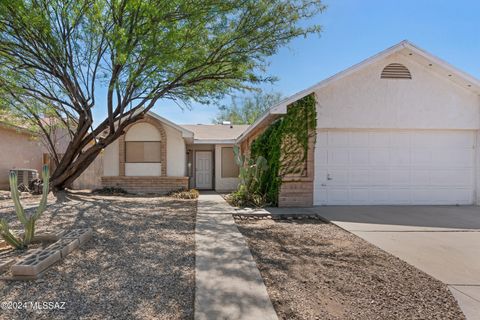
(62, 58)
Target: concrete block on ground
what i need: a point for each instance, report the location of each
(65, 246)
(35, 262)
(83, 235)
(48, 235)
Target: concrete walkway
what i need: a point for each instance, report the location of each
(443, 241)
(228, 283)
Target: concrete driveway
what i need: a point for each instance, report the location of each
(443, 241)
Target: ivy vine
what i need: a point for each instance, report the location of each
(285, 146)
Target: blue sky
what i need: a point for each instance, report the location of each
(354, 30)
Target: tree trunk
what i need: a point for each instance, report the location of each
(77, 159)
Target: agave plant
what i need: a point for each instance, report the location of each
(27, 220)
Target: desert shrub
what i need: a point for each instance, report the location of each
(184, 194)
(248, 192)
(110, 191)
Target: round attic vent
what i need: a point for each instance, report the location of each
(395, 71)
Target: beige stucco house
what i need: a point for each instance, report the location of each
(19, 149)
(156, 155)
(402, 127)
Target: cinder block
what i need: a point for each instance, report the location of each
(48, 235)
(65, 246)
(83, 235)
(35, 262)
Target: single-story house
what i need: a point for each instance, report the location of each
(19, 149)
(22, 148)
(401, 127)
(156, 155)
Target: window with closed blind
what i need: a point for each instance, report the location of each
(142, 152)
(229, 167)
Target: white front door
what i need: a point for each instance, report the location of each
(203, 169)
(355, 167)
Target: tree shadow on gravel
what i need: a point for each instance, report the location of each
(139, 264)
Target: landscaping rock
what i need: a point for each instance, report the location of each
(5, 264)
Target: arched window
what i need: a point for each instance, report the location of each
(143, 144)
(396, 71)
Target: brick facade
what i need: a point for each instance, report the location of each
(158, 185)
(298, 191)
(295, 191)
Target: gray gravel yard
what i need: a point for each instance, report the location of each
(140, 263)
(315, 270)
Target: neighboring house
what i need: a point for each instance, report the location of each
(19, 149)
(401, 127)
(157, 156)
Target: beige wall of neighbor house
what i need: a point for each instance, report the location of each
(18, 150)
(427, 101)
(222, 168)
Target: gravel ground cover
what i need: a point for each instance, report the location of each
(315, 270)
(139, 264)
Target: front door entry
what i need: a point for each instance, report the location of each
(203, 169)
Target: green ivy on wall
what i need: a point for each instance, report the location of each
(285, 146)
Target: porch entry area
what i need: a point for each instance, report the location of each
(204, 170)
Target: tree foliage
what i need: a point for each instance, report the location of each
(246, 110)
(64, 58)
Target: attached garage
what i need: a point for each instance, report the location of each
(400, 128)
(355, 167)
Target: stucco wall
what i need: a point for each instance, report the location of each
(428, 101)
(176, 153)
(18, 150)
(110, 160)
(223, 184)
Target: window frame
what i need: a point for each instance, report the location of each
(159, 156)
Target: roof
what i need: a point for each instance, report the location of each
(215, 133)
(185, 132)
(406, 48)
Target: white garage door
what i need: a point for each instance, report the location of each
(394, 167)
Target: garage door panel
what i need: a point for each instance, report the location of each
(359, 157)
(400, 156)
(379, 139)
(338, 156)
(394, 167)
(400, 177)
(379, 156)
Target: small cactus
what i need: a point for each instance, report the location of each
(28, 221)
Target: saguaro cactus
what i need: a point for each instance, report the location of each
(27, 220)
